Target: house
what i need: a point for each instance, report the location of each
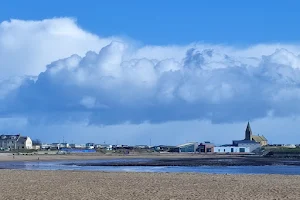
(36, 147)
(77, 146)
(46, 146)
(165, 148)
(141, 147)
(90, 145)
(107, 147)
(231, 149)
(15, 142)
(64, 145)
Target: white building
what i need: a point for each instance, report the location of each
(77, 146)
(90, 145)
(45, 146)
(108, 147)
(15, 142)
(231, 149)
(292, 146)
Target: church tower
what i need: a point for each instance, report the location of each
(248, 132)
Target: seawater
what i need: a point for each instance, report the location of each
(65, 165)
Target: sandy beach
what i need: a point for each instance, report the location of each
(100, 185)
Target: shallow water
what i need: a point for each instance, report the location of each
(72, 165)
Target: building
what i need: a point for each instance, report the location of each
(291, 146)
(15, 142)
(64, 145)
(107, 147)
(90, 145)
(256, 138)
(205, 147)
(190, 147)
(252, 145)
(77, 146)
(161, 148)
(231, 149)
(141, 146)
(36, 147)
(46, 146)
(252, 141)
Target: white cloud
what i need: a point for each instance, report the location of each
(88, 102)
(83, 77)
(26, 47)
(104, 88)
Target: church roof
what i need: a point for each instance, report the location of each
(258, 138)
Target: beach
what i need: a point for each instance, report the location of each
(19, 184)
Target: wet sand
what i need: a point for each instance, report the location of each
(159, 159)
(197, 161)
(100, 185)
(95, 156)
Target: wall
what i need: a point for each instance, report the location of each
(231, 149)
(251, 146)
(28, 143)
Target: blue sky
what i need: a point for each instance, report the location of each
(172, 22)
(131, 71)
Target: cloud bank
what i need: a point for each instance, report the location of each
(55, 72)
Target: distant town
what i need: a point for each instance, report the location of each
(251, 144)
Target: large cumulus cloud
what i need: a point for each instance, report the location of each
(26, 47)
(111, 87)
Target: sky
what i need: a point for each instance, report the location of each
(159, 72)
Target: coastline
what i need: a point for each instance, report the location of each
(126, 185)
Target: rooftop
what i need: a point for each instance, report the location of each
(9, 137)
(259, 138)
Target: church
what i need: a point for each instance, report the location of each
(252, 141)
(256, 138)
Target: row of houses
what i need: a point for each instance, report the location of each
(249, 144)
(58, 146)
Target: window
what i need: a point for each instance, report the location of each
(224, 150)
(232, 150)
(242, 150)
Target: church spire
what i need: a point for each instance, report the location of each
(248, 132)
